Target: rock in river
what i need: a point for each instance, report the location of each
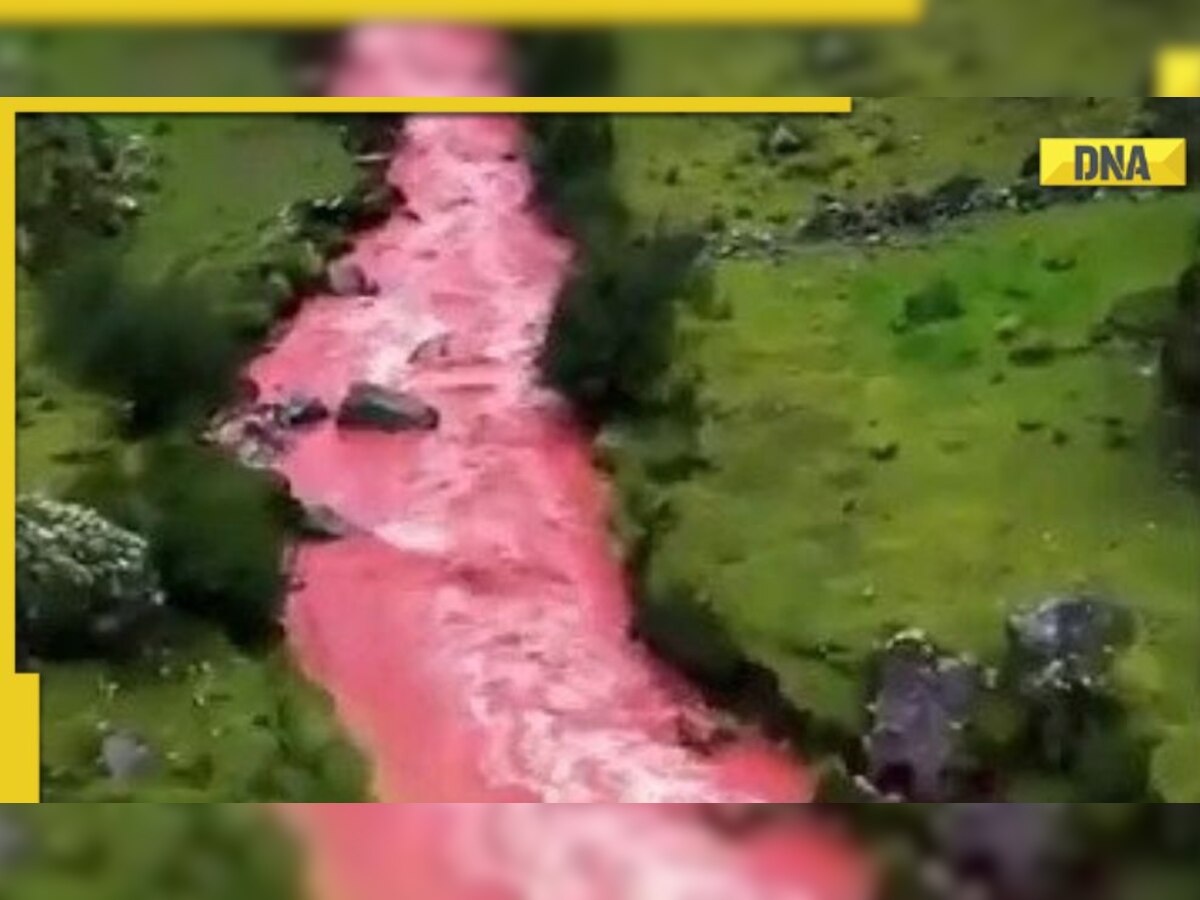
(347, 279)
(373, 406)
(301, 409)
(321, 523)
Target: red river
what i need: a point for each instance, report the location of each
(473, 631)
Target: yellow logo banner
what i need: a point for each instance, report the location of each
(1114, 162)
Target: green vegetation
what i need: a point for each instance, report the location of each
(934, 430)
(108, 852)
(132, 330)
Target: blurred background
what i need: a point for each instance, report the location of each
(964, 47)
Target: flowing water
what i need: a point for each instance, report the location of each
(473, 631)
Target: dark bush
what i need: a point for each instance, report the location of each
(572, 156)
(218, 538)
(610, 338)
(565, 62)
(678, 626)
(217, 532)
(162, 346)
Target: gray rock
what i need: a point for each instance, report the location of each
(347, 279)
(372, 406)
(301, 409)
(1067, 642)
(921, 703)
(321, 523)
(125, 757)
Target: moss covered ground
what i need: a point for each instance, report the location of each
(223, 723)
(857, 477)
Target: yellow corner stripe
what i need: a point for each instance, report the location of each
(19, 746)
(1177, 72)
(1114, 162)
(512, 12)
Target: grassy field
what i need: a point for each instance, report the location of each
(858, 477)
(104, 851)
(223, 724)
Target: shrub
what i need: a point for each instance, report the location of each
(83, 583)
(611, 335)
(678, 626)
(161, 347)
(217, 532)
(1188, 292)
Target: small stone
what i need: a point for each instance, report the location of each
(347, 279)
(301, 409)
(125, 757)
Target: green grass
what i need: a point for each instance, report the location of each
(224, 178)
(1006, 483)
(99, 851)
(139, 62)
(718, 166)
(223, 726)
(226, 724)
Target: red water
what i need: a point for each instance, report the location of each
(473, 632)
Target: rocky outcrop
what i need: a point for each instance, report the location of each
(1059, 661)
(922, 700)
(1066, 643)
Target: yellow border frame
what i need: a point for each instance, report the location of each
(19, 708)
(511, 12)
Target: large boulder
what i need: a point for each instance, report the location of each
(372, 406)
(921, 703)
